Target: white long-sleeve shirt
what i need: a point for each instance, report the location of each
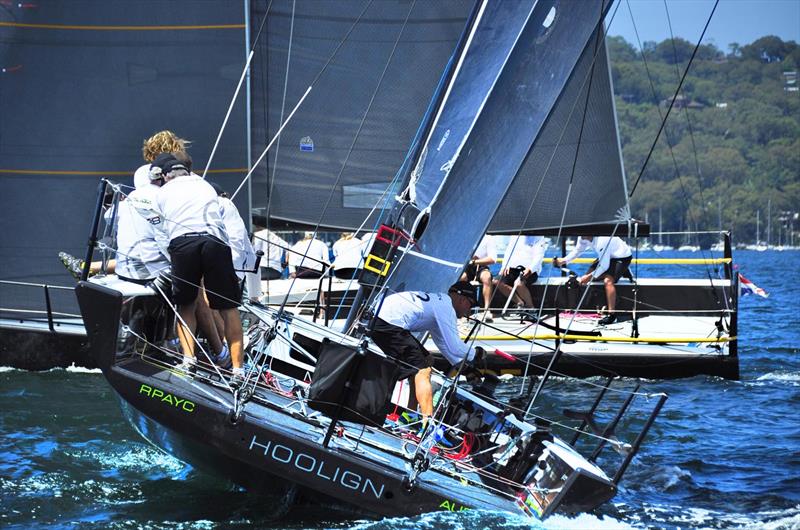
(242, 252)
(525, 251)
(347, 253)
(315, 250)
(189, 204)
(418, 311)
(141, 246)
(486, 249)
(605, 247)
(272, 246)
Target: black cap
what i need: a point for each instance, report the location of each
(163, 164)
(465, 289)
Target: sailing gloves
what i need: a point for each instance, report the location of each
(473, 369)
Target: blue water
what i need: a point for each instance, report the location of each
(723, 454)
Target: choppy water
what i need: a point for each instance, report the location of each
(723, 454)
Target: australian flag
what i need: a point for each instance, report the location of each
(747, 287)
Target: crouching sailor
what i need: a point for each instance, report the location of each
(404, 313)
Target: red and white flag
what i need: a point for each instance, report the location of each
(747, 287)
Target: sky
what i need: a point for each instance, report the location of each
(740, 21)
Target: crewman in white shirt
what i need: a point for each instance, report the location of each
(242, 251)
(199, 250)
(347, 256)
(274, 249)
(308, 258)
(478, 268)
(522, 264)
(404, 313)
(613, 258)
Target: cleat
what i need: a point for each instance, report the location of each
(73, 264)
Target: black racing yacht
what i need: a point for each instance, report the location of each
(320, 411)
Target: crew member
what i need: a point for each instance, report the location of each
(404, 313)
(613, 258)
(478, 269)
(198, 250)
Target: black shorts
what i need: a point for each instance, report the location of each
(514, 273)
(206, 258)
(304, 272)
(268, 273)
(617, 267)
(474, 271)
(346, 274)
(400, 344)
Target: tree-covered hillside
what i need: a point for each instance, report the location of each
(735, 134)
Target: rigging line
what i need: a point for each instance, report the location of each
(245, 70)
(313, 82)
(600, 35)
(664, 120)
(600, 31)
(361, 123)
(271, 181)
(266, 149)
(672, 101)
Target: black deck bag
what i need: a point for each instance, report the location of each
(361, 383)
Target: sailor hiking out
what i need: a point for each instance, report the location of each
(613, 258)
(404, 313)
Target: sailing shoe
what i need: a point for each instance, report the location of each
(72, 263)
(223, 358)
(487, 316)
(606, 320)
(442, 437)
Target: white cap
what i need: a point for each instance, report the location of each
(141, 177)
(309, 234)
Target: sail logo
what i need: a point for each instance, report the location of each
(318, 467)
(452, 506)
(156, 393)
(306, 144)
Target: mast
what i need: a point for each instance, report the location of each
(758, 227)
(660, 228)
(769, 220)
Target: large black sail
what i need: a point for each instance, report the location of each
(351, 134)
(471, 180)
(83, 83)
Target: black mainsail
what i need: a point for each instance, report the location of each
(82, 84)
(351, 134)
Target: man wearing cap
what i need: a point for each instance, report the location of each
(404, 313)
(198, 248)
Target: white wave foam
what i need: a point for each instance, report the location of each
(8, 369)
(790, 377)
(81, 370)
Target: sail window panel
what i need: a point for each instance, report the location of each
(315, 147)
(536, 199)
